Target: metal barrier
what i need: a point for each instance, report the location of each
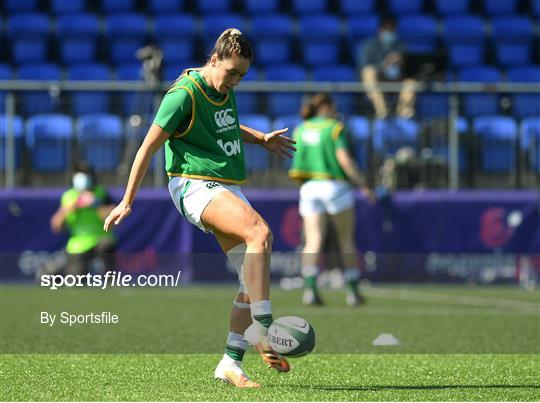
(524, 168)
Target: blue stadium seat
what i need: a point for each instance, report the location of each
(512, 37)
(419, 32)
(258, 7)
(18, 136)
(28, 35)
(452, 7)
(20, 6)
(133, 103)
(320, 35)
(535, 5)
(498, 138)
(304, 7)
(360, 28)
(525, 104)
(206, 7)
(483, 103)
(174, 34)
(355, 7)
(439, 145)
(389, 135)
(126, 33)
(66, 7)
(165, 6)
(33, 102)
(83, 102)
(100, 138)
(248, 102)
(403, 7)
(5, 74)
(465, 39)
(257, 158)
(117, 6)
(49, 139)
(346, 103)
(500, 7)
(431, 105)
(285, 103)
(172, 71)
(214, 25)
(360, 134)
(287, 121)
(272, 38)
(77, 37)
(530, 141)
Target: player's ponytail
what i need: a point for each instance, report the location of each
(232, 42)
(310, 108)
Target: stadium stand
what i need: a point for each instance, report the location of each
(389, 135)
(77, 37)
(497, 136)
(174, 35)
(18, 134)
(28, 35)
(34, 102)
(360, 134)
(125, 34)
(257, 159)
(524, 105)
(165, 6)
(272, 38)
(68, 7)
(480, 103)
(354, 7)
(530, 141)
(284, 103)
(83, 102)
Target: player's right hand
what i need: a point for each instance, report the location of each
(116, 216)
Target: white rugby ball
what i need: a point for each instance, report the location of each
(291, 336)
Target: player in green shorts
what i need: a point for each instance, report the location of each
(327, 173)
(204, 158)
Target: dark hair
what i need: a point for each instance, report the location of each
(84, 167)
(232, 42)
(311, 106)
(388, 21)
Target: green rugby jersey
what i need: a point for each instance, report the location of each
(205, 141)
(317, 140)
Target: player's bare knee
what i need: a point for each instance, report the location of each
(260, 235)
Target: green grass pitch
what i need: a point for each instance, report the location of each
(456, 343)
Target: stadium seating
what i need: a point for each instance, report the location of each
(360, 28)
(512, 37)
(213, 25)
(355, 7)
(117, 6)
(500, 7)
(49, 138)
(320, 35)
(28, 35)
(287, 121)
(99, 139)
(440, 146)
(258, 7)
(431, 105)
(5, 74)
(248, 102)
(359, 128)
(272, 38)
(77, 38)
(465, 39)
(68, 7)
(165, 6)
(34, 102)
(530, 141)
(174, 34)
(205, 7)
(404, 7)
(480, 103)
(125, 34)
(419, 32)
(284, 103)
(130, 103)
(389, 135)
(18, 137)
(20, 6)
(535, 5)
(452, 7)
(303, 7)
(257, 158)
(525, 104)
(497, 137)
(83, 102)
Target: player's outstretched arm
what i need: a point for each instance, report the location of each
(154, 139)
(274, 142)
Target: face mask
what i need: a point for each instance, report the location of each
(388, 37)
(81, 181)
(392, 72)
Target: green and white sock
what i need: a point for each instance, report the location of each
(236, 346)
(352, 278)
(261, 311)
(310, 273)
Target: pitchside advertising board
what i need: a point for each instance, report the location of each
(484, 236)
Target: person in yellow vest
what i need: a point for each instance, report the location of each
(199, 126)
(82, 212)
(328, 175)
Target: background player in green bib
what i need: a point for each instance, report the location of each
(82, 211)
(327, 172)
(204, 157)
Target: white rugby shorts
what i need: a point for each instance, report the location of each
(325, 196)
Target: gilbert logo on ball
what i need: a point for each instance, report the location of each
(291, 336)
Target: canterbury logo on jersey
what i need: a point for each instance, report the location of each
(224, 120)
(230, 147)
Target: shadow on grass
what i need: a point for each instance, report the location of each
(416, 387)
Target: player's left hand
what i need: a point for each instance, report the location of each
(279, 144)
